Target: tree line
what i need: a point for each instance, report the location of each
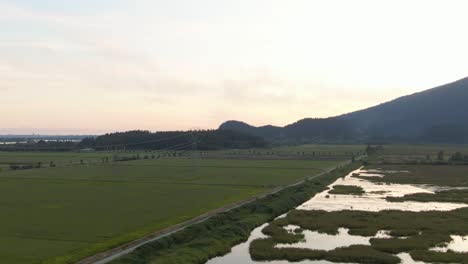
(146, 140)
(174, 140)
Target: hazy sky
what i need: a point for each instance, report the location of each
(93, 66)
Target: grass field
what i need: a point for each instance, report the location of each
(302, 150)
(59, 158)
(443, 175)
(62, 214)
(418, 153)
(311, 152)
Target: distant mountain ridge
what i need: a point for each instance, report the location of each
(437, 115)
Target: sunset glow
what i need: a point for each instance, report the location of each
(77, 67)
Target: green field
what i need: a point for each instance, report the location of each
(418, 153)
(59, 158)
(62, 214)
(311, 151)
(301, 150)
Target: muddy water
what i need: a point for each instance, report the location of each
(373, 200)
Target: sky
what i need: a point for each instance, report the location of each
(96, 66)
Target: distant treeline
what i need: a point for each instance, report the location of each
(174, 140)
(40, 145)
(140, 139)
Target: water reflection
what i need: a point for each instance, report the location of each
(458, 244)
(372, 200)
(316, 240)
(240, 253)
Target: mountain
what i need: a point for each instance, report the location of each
(438, 115)
(303, 131)
(263, 131)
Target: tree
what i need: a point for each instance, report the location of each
(440, 155)
(457, 157)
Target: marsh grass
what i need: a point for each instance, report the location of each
(264, 250)
(454, 176)
(347, 190)
(412, 231)
(451, 196)
(439, 257)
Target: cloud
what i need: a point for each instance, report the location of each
(170, 86)
(260, 87)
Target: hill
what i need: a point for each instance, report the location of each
(326, 130)
(438, 115)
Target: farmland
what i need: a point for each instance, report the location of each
(412, 154)
(62, 214)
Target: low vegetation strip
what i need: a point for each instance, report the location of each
(215, 236)
(451, 196)
(455, 176)
(264, 250)
(346, 190)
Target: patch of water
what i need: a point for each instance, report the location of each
(458, 244)
(385, 171)
(407, 259)
(374, 198)
(442, 188)
(363, 174)
(314, 240)
(320, 241)
(240, 253)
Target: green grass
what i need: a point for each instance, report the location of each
(438, 257)
(413, 154)
(422, 150)
(59, 158)
(456, 176)
(322, 148)
(3, 168)
(451, 196)
(60, 215)
(346, 190)
(310, 151)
